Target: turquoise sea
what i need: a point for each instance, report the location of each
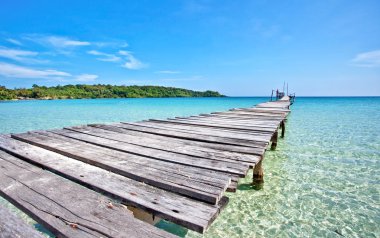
(322, 181)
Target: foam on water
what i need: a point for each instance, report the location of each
(322, 181)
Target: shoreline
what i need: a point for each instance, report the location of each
(46, 99)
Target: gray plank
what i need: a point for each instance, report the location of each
(170, 206)
(264, 109)
(173, 146)
(241, 118)
(247, 114)
(200, 162)
(190, 136)
(13, 226)
(246, 129)
(251, 122)
(251, 136)
(173, 177)
(254, 122)
(58, 204)
(202, 145)
(219, 127)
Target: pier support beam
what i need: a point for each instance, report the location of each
(274, 140)
(258, 175)
(282, 126)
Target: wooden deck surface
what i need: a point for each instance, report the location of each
(75, 181)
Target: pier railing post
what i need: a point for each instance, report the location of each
(282, 125)
(274, 140)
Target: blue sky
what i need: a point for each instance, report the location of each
(239, 48)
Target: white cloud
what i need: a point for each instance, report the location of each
(61, 42)
(18, 55)
(14, 41)
(15, 71)
(167, 72)
(132, 62)
(105, 56)
(58, 42)
(110, 44)
(367, 59)
(86, 77)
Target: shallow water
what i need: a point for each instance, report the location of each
(21, 116)
(322, 181)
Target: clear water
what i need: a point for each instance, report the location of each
(322, 181)
(21, 116)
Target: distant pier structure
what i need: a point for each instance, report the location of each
(281, 95)
(102, 180)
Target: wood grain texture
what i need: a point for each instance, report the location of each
(170, 206)
(65, 208)
(13, 226)
(196, 183)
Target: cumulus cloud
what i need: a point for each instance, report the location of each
(105, 56)
(131, 61)
(16, 71)
(367, 59)
(86, 77)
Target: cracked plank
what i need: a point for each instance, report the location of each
(197, 183)
(65, 208)
(169, 206)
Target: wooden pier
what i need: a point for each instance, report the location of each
(80, 181)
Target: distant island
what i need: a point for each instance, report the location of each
(81, 91)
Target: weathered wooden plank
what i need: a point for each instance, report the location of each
(166, 145)
(222, 127)
(233, 187)
(207, 176)
(247, 114)
(202, 145)
(170, 206)
(240, 118)
(173, 177)
(13, 226)
(58, 204)
(277, 104)
(200, 162)
(258, 130)
(242, 121)
(191, 136)
(263, 109)
(209, 130)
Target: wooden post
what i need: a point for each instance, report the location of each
(258, 173)
(274, 140)
(282, 125)
(271, 96)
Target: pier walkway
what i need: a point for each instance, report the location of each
(80, 181)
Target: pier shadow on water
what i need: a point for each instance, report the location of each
(250, 186)
(172, 228)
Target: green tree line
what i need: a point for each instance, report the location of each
(99, 91)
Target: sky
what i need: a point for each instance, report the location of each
(239, 48)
